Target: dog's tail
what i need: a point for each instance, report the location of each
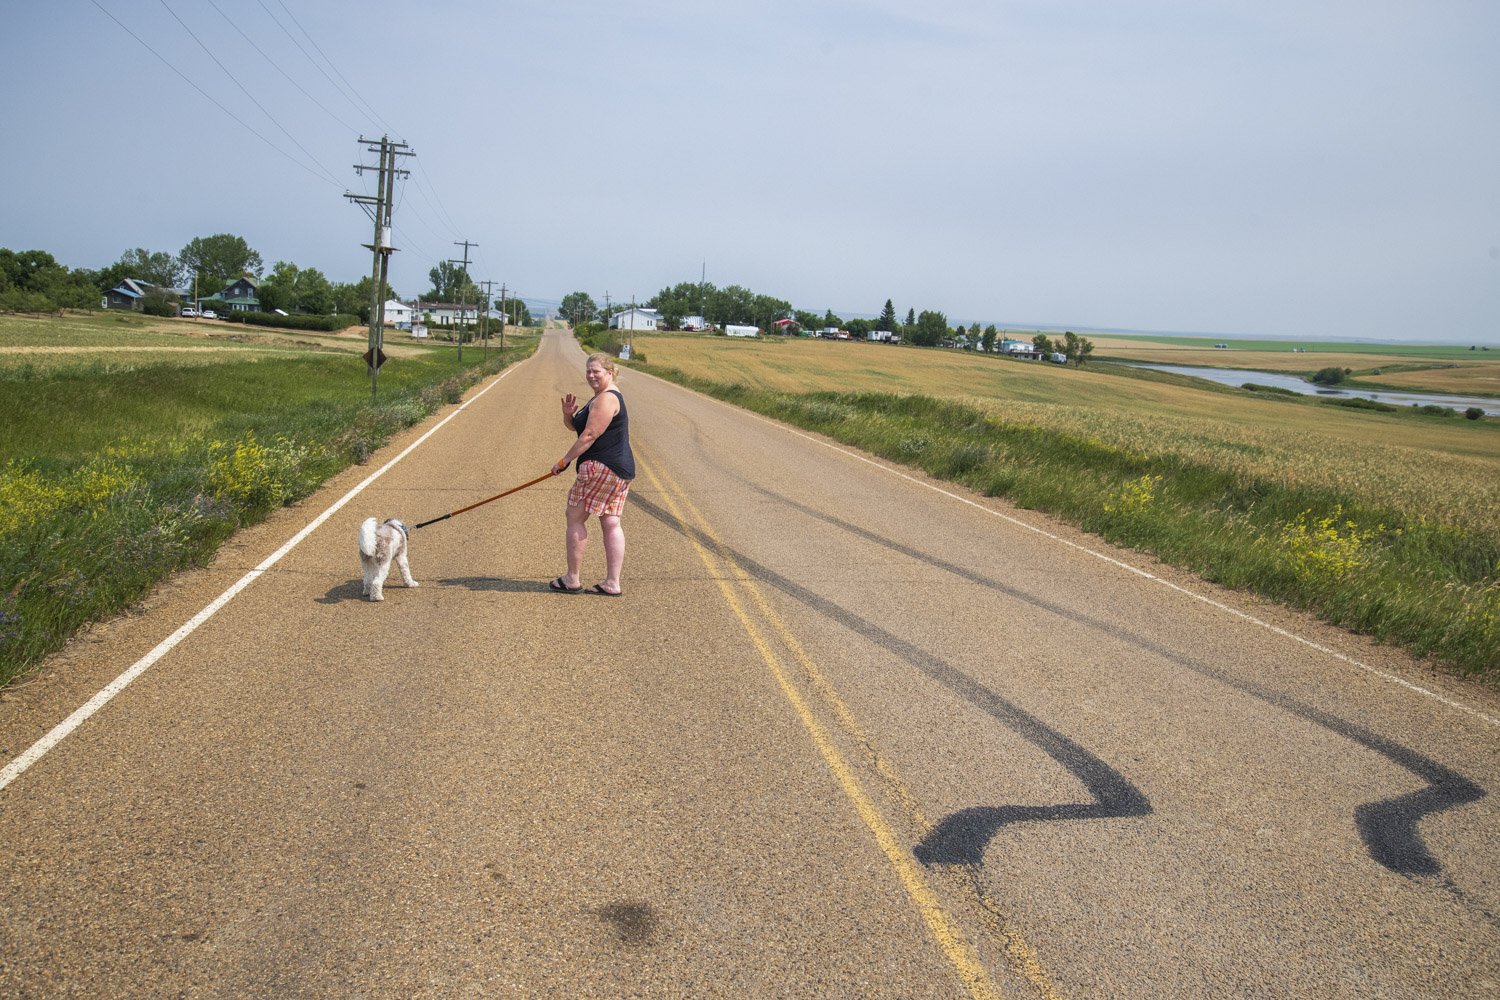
(367, 540)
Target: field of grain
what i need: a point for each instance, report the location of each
(1448, 470)
(1446, 369)
(110, 341)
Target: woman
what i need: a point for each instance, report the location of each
(605, 470)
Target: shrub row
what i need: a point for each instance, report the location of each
(326, 324)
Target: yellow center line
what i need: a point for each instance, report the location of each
(1022, 958)
(949, 937)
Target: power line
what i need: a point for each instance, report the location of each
(331, 66)
(214, 101)
(342, 93)
(278, 68)
(246, 91)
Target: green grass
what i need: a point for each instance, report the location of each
(114, 475)
(1363, 549)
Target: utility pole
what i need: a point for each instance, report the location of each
(503, 317)
(379, 209)
(461, 290)
(484, 334)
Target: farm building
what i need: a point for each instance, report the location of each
(635, 319)
(398, 314)
(129, 293)
(239, 295)
(445, 313)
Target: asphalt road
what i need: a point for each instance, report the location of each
(847, 733)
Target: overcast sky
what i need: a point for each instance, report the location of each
(1258, 168)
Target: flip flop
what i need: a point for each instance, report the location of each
(558, 587)
(599, 589)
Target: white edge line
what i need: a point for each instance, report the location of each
(63, 729)
(1383, 675)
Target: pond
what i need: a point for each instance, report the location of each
(1239, 376)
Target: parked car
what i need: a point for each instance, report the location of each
(188, 312)
(210, 314)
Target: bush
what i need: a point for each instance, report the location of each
(1331, 376)
(326, 324)
(1474, 413)
(1357, 403)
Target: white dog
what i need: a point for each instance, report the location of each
(379, 544)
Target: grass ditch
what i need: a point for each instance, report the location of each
(116, 476)
(1428, 585)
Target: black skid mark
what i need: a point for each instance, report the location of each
(963, 837)
(1388, 828)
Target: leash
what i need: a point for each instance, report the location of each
(497, 496)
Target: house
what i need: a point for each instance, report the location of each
(398, 314)
(1019, 349)
(635, 319)
(445, 313)
(128, 294)
(734, 330)
(239, 295)
(787, 327)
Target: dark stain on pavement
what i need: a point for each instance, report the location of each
(498, 585)
(635, 923)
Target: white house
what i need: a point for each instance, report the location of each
(635, 319)
(446, 313)
(1020, 349)
(732, 330)
(397, 314)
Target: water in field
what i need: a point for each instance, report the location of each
(1239, 376)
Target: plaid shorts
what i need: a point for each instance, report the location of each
(599, 490)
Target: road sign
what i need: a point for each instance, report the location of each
(379, 359)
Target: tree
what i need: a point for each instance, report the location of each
(809, 321)
(990, 334)
(686, 298)
(218, 260)
(765, 310)
(578, 308)
(1043, 345)
(1331, 376)
(161, 269)
(1076, 348)
(451, 284)
(732, 304)
(33, 281)
(294, 289)
(832, 322)
(930, 329)
(911, 322)
(887, 318)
